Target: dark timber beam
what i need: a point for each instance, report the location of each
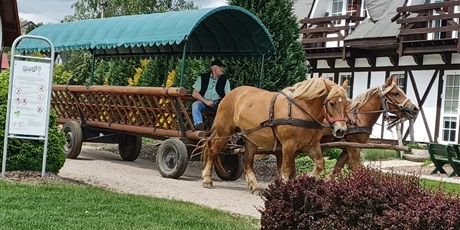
(394, 59)
(446, 58)
(351, 62)
(331, 63)
(372, 60)
(418, 58)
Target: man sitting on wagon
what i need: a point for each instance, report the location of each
(208, 90)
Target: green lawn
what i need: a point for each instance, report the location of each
(64, 206)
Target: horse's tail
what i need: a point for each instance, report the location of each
(205, 146)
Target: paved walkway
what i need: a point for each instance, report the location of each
(387, 165)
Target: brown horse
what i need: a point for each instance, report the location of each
(290, 118)
(363, 113)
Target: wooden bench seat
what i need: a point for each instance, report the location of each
(441, 155)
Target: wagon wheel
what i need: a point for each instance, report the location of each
(129, 147)
(172, 158)
(74, 139)
(233, 165)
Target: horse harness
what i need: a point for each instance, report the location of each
(273, 122)
(385, 110)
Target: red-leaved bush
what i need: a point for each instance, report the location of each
(363, 199)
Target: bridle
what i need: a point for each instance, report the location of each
(329, 118)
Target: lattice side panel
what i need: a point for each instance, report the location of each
(64, 104)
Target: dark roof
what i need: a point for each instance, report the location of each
(379, 23)
(10, 21)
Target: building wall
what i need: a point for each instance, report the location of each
(422, 79)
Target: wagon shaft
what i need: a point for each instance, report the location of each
(365, 146)
(148, 111)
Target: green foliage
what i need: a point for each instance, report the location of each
(332, 153)
(79, 64)
(63, 206)
(415, 145)
(156, 72)
(305, 164)
(288, 66)
(378, 154)
(87, 9)
(60, 76)
(28, 154)
(119, 71)
(427, 163)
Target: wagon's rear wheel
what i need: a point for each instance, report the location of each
(172, 158)
(74, 139)
(233, 166)
(129, 147)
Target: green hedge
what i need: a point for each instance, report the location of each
(28, 154)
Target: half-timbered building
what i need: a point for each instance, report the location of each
(366, 41)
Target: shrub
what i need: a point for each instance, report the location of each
(333, 153)
(305, 165)
(362, 199)
(28, 154)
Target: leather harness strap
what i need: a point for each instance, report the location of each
(272, 121)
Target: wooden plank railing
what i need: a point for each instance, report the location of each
(317, 31)
(415, 30)
(151, 111)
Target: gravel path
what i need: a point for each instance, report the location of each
(98, 165)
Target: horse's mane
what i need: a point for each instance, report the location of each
(360, 100)
(314, 88)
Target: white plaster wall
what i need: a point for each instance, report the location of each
(359, 83)
(320, 7)
(361, 62)
(339, 63)
(406, 60)
(456, 58)
(383, 61)
(432, 59)
(322, 64)
(422, 78)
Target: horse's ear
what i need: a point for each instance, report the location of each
(326, 84)
(345, 84)
(391, 79)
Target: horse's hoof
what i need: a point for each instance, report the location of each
(257, 191)
(208, 185)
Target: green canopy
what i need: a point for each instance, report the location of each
(226, 30)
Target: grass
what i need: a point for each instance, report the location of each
(65, 206)
(445, 186)
(378, 154)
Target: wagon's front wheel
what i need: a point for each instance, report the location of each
(74, 139)
(129, 147)
(233, 166)
(172, 158)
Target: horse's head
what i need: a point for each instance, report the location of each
(334, 109)
(396, 100)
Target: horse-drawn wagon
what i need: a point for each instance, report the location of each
(122, 115)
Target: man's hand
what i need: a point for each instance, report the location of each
(209, 103)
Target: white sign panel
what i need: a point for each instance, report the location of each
(29, 98)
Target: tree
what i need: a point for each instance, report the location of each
(87, 9)
(117, 72)
(288, 66)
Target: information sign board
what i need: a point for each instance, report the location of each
(29, 98)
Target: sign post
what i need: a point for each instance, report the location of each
(29, 97)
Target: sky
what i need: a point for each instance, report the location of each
(53, 11)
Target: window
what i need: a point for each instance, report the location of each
(450, 107)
